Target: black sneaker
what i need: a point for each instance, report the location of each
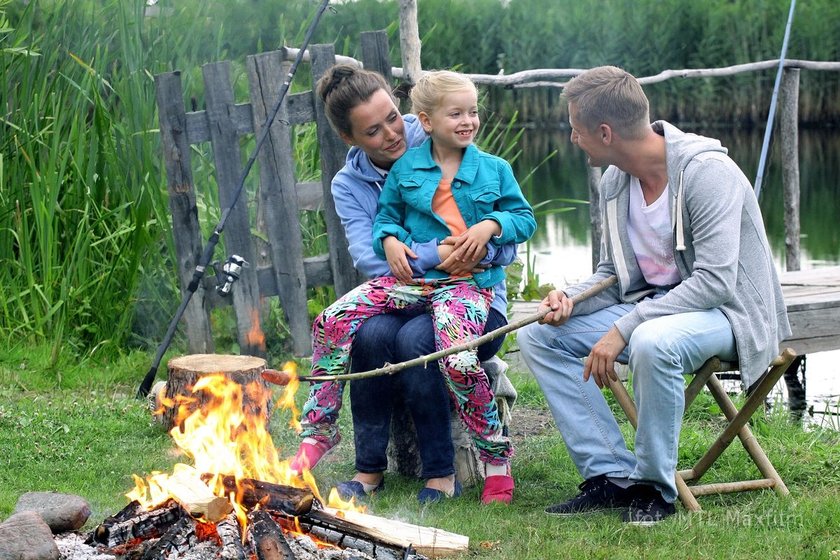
(647, 507)
(596, 494)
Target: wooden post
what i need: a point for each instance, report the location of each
(278, 196)
(375, 53)
(333, 152)
(410, 41)
(179, 182)
(237, 236)
(789, 132)
(594, 175)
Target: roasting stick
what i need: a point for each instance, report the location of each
(283, 378)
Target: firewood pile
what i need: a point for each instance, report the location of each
(294, 526)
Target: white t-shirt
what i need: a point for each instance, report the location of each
(649, 227)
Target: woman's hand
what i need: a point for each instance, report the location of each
(397, 254)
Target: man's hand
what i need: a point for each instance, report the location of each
(397, 254)
(556, 308)
(600, 363)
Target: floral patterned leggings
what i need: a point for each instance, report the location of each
(459, 310)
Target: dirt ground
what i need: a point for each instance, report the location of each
(528, 422)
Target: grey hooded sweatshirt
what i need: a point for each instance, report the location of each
(721, 251)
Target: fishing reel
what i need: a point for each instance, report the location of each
(231, 271)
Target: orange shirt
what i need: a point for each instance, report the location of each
(443, 204)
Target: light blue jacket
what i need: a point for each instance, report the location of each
(483, 188)
(356, 189)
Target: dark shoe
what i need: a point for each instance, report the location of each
(647, 507)
(358, 490)
(596, 494)
(432, 495)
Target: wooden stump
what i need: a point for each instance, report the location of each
(184, 371)
(404, 457)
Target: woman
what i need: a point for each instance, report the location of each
(363, 112)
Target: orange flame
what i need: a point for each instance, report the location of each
(255, 336)
(225, 434)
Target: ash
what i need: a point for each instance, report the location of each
(72, 547)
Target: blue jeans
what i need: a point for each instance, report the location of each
(394, 338)
(660, 352)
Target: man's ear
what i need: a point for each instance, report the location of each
(425, 121)
(606, 134)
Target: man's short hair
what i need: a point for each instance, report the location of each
(607, 94)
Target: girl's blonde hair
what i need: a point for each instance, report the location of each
(428, 92)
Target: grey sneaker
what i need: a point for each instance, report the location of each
(596, 494)
(647, 507)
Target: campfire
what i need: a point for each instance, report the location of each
(239, 500)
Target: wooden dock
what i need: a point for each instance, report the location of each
(812, 298)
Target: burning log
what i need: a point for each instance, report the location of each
(286, 499)
(180, 538)
(197, 499)
(184, 371)
(231, 537)
(386, 533)
(133, 524)
(267, 537)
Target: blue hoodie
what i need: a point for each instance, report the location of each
(356, 189)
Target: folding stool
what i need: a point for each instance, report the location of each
(737, 426)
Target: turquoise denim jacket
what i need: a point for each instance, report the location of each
(484, 188)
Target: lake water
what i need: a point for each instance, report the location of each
(561, 252)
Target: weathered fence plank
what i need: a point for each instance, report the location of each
(185, 227)
(237, 238)
(333, 153)
(279, 197)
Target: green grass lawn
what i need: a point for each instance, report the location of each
(78, 429)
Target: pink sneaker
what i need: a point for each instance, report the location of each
(310, 453)
(498, 487)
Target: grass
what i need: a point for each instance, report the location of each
(85, 434)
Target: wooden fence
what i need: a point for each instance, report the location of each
(278, 267)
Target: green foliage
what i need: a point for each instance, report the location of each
(86, 241)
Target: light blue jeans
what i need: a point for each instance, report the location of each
(660, 352)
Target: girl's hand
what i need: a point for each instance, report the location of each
(452, 264)
(397, 254)
(471, 246)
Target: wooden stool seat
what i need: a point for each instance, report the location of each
(737, 426)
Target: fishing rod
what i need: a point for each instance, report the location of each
(768, 132)
(284, 377)
(233, 266)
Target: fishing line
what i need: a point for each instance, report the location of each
(768, 132)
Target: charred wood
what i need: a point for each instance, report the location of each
(267, 538)
(180, 537)
(286, 499)
(231, 537)
(365, 546)
(100, 534)
(143, 525)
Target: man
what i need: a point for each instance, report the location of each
(684, 235)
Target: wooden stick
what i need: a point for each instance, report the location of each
(390, 369)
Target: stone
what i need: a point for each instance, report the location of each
(25, 536)
(62, 512)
